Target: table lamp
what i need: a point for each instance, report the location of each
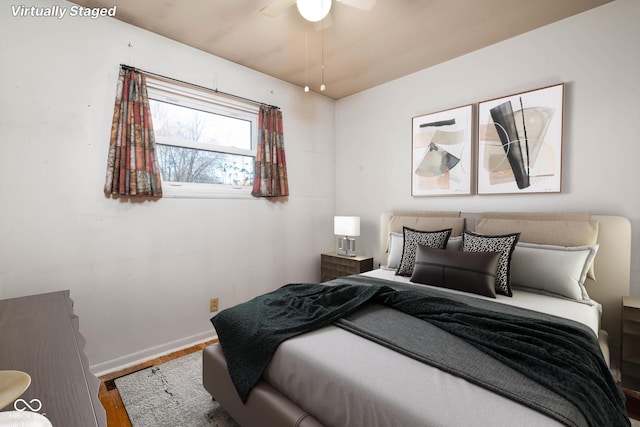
(12, 385)
(347, 227)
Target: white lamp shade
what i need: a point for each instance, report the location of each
(313, 10)
(346, 225)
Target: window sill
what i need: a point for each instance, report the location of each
(198, 192)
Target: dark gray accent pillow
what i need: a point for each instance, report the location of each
(433, 239)
(505, 244)
(473, 272)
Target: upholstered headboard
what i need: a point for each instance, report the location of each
(611, 267)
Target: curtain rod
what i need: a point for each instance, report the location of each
(149, 73)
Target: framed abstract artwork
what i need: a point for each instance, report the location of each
(442, 153)
(520, 142)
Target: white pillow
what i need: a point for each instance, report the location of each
(396, 243)
(560, 270)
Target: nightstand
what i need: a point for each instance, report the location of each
(631, 343)
(334, 265)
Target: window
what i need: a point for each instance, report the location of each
(206, 143)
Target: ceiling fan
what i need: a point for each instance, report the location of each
(308, 8)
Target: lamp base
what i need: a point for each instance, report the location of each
(347, 246)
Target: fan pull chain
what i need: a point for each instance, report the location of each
(306, 60)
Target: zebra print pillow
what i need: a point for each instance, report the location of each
(505, 244)
(433, 239)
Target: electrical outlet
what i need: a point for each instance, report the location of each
(213, 305)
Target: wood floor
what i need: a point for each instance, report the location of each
(633, 403)
(109, 396)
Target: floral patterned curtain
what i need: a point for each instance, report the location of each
(270, 178)
(132, 168)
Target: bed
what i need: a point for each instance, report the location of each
(332, 376)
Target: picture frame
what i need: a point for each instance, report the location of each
(520, 142)
(442, 153)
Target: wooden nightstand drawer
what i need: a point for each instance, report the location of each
(334, 265)
(631, 343)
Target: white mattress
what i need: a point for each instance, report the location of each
(358, 383)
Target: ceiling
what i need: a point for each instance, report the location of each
(361, 49)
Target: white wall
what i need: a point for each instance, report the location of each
(141, 274)
(595, 53)
(138, 295)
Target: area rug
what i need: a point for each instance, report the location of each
(171, 395)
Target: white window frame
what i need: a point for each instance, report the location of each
(209, 101)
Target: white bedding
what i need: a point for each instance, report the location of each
(368, 385)
(582, 312)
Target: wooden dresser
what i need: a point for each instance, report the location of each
(39, 335)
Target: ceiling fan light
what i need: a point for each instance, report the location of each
(313, 10)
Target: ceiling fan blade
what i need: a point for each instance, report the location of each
(359, 4)
(276, 7)
(324, 23)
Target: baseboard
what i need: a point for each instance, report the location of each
(121, 363)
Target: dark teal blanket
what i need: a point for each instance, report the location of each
(563, 358)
